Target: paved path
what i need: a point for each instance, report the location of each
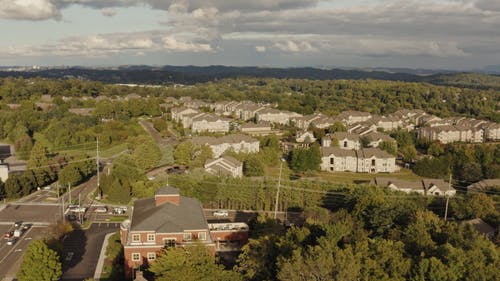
(102, 257)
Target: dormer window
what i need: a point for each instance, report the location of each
(187, 236)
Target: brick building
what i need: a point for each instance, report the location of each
(169, 220)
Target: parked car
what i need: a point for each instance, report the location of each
(12, 241)
(101, 210)
(221, 213)
(78, 209)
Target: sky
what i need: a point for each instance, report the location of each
(431, 34)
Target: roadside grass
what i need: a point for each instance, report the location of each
(113, 264)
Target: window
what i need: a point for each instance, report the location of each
(331, 161)
(186, 236)
(136, 257)
(136, 238)
(151, 238)
(170, 242)
(373, 162)
(345, 144)
(202, 236)
(151, 256)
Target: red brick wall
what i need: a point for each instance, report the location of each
(160, 199)
(130, 265)
(241, 236)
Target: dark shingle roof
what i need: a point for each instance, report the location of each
(167, 190)
(168, 217)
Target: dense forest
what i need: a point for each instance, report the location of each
(302, 96)
(199, 74)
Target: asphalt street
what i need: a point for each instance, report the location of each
(82, 249)
(32, 213)
(11, 255)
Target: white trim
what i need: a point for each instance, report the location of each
(151, 240)
(204, 234)
(153, 254)
(133, 254)
(135, 235)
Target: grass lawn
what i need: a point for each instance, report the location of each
(340, 177)
(113, 150)
(348, 177)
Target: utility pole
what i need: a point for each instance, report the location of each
(97, 163)
(79, 210)
(69, 192)
(63, 219)
(278, 191)
(447, 200)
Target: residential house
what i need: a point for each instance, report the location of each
(481, 227)
(350, 117)
(345, 140)
(187, 119)
(368, 160)
(438, 187)
(386, 123)
(238, 143)
(305, 137)
(275, 116)
(362, 128)
(259, 129)
(400, 185)
(82, 111)
(179, 112)
(484, 185)
(491, 131)
(334, 159)
(374, 160)
(448, 133)
(431, 187)
(170, 220)
(210, 123)
(247, 110)
(375, 138)
(225, 166)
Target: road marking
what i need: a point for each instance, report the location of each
(13, 248)
(18, 250)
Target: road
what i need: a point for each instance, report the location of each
(30, 213)
(11, 255)
(82, 249)
(148, 127)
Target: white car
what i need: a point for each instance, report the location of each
(101, 210)
(221, 213)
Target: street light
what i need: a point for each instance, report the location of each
(278, 190)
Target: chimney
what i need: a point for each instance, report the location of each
(167, 194)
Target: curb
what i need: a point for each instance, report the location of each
(102, 257)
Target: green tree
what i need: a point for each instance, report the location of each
(70, 175)
(252, 166)
(389, 146)
(409, 153)
(435, 149)
(40, 263)
(183, 153)
(190, 263)
(147, 154)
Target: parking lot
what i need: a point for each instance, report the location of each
(82, 249)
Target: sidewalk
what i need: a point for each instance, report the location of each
(102, 257)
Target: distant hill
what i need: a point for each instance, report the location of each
(143, 74)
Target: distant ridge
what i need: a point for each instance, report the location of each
(143, 74)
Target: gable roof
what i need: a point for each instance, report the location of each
(168, 217)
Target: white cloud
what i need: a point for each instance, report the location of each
(294, 47)
(172, 43)
(260, 49)
(108, 12)
(28, 9)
